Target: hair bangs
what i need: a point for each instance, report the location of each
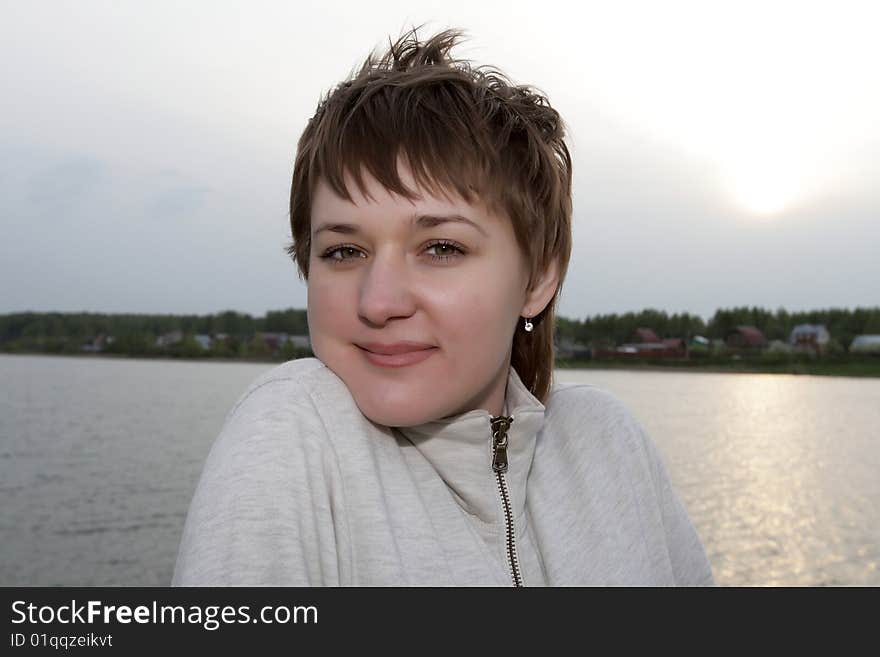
(420, 126)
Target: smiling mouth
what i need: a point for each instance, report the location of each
(402, 359)
(401, 347)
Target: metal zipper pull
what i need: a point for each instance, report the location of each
(500, 425)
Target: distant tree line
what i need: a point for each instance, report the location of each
(136, 334)
(842, 324)
(17, 325)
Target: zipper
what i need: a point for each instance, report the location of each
(500, 425)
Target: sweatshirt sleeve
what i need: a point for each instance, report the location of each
(268, 508)
(690, 565)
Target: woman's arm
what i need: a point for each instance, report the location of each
(690, 566)
(268, 508)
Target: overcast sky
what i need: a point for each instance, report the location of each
(725, 153)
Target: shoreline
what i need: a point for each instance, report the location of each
(859, 369)
(205, 359)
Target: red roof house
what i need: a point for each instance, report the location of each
(746, 337)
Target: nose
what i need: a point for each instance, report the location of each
(386, 289)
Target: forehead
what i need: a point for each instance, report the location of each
(377, 203)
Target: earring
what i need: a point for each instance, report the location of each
(528, 325)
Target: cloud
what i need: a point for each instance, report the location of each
(178, 201)
(66, 183)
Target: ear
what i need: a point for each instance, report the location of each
(542, 291)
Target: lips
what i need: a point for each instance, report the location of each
(394, 348)
(399, 354)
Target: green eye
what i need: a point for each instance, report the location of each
(451, 250)
(444, 252)
(339, 253)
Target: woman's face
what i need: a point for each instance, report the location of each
(397, 273)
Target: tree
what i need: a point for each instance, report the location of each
(188, 347)
(256, 348)
(288, 351)
(292, 321)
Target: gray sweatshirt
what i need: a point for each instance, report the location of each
(301, 489)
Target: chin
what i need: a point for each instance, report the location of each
(401, 414)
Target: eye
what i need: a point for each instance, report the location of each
(340, 253)
(445, 250)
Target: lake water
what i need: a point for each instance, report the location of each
(99, 459)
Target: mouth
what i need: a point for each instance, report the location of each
(401, 355)
(400, 347)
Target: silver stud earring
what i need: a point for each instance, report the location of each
(528, 325)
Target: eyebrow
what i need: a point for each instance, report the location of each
(422, 221)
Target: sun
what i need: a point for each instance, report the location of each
(764, 182)
(762, 193)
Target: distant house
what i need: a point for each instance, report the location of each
(865, 344)
(674, 345)
(204, 341)
(636, 349)
(567, 348)
(301, 341)
(97, 343)
(648, 345)
(273, 340)
(222, 338)
(699, 345)
(646, 335)
(602, 348)
(809, 337)
(779, 347)
(746, 338)
(170, 338)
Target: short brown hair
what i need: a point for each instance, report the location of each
(460, 128)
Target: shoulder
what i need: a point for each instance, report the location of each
(298, 375)
(585, 403)
(594, 434)
(274, 443)
(269, 487)
(280, 414)
(298, 387)
(590, 419)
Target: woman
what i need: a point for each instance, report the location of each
(425, 444)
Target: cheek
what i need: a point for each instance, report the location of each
(330, 304)
(475, 315)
